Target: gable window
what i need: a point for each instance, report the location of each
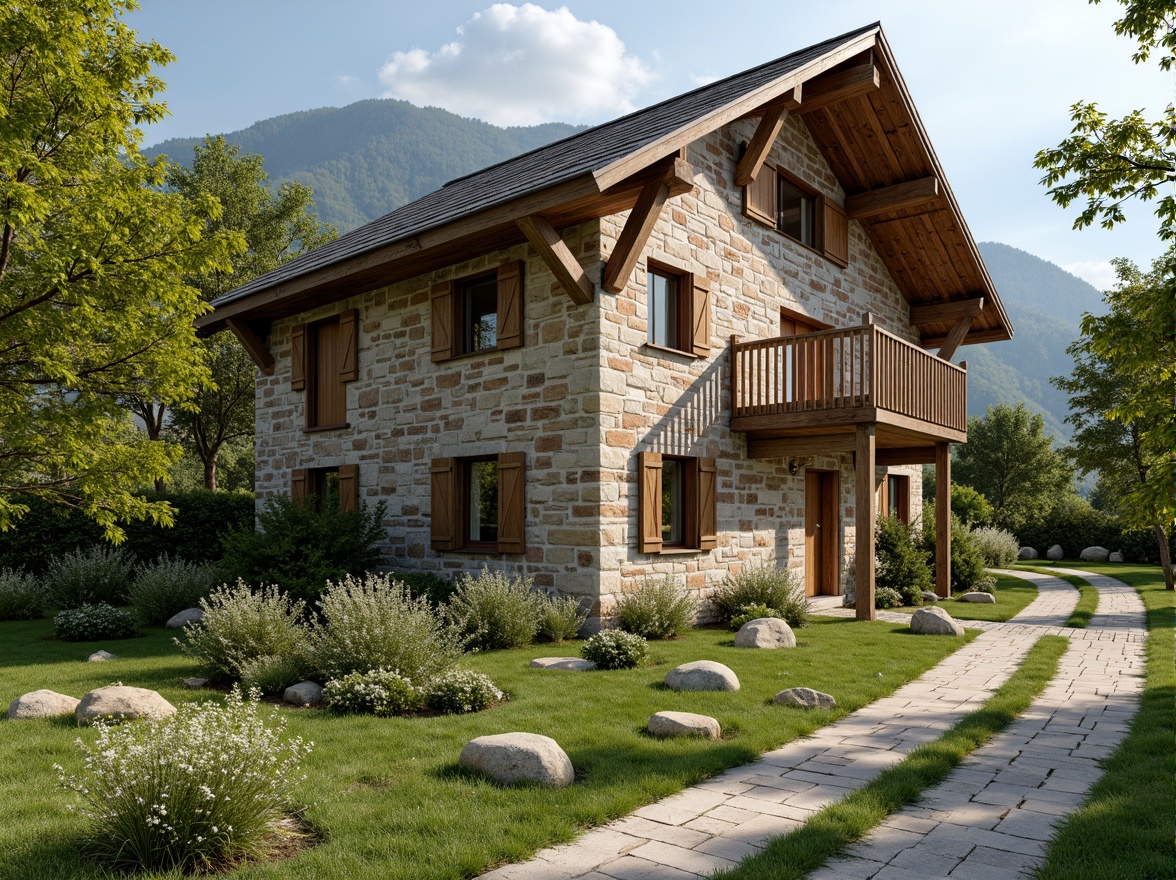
(676, 503)
(794, 215)
(678, 306)
(791, 207)
(479, 313)
(478, 504)
(313, 485)
(323, 355)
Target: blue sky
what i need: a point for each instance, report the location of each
(992, 80)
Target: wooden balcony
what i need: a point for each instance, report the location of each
(822, 385)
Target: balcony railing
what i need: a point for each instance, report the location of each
(849, 369)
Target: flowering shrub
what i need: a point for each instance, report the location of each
(462, 690)
(753, 612)
(374, 623)
(615, 649)
(656, 609)
(378, 692)
(887, 597)
(986, 584)
(89, 577)
(169, 585)
(998, 547)
(494, 611)
(93, 622)
(190, 791)
(560, 618)
(763, 584)
(20, 595)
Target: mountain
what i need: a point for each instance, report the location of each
(368, 158)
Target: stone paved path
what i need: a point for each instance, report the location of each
(1080, 718)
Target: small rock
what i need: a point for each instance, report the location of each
(683, 724)
(119, 703)
(102, 657)
(195, 682)
(1095, 554)
(979, 598)
(303, 693)
(929, 597)
(804, 698)
(42, 704)
(702, 675)
(765, 632)
(1055, 552)
(934, 621)
(189, 615)
(1026, 553)
(1115, 557)
(519, 757)
(574, 664)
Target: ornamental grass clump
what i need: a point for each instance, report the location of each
(377, 692)
(462, 690)
(655, 609)
(21, 595)
(89, 577)
(763, 584)
(495, 611)
(92, 623)
(616, 649)
(999, 547)
(560, 618)
(191, 792)
(169, 585)
(374, 623)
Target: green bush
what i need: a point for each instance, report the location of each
(92, 623)
(753, 612)
(998, 547)
(616, 649)
(967, 562)
(300, 548)
(89, 576)
(887, 597)
(763, 584)
(900, 562)
(193, 792)
(434, 587)
(495, 611)
(21, 595)
(169, 585)
(560, 618)
(656, 609)
(970, 505)
(272, 673)
(1071, 522)
(377, 692)
(373, 623)
(1141, 545)
(240, 625)
(462, 690)
(986, 584)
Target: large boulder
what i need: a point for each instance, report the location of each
(120, 703)
(934, 621)
(683, 724)
(1095, 554)
(101, 657)
(1055, 552)
(519, 757)
(1115, 557)
(572, 664)
(805, 698)
(979, 597)
(1026, 553)
(765, 632)
(702, 675)
(185, 617)
(42, 704)
(929, 598)
(303, 694)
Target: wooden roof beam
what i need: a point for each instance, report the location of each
(943, 313)
(833, 88)
(253, 344)
(552, 250)
(765, 136)
(904, 455)
(922, 193)
(796, 447)
(972, 338)
(678, 178)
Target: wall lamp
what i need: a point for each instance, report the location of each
(795, 465)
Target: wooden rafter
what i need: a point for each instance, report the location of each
(973, 337)
(677, 179)
(765, 136)
(941, 313)
(789, 447)
(833, 88)
(559, 259)
(253, 344)
(922, 193)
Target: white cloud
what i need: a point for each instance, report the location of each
(522, 65)
(1100, 274)
(347, 81)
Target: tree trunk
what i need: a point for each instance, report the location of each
(210, 472)
(1165, 556)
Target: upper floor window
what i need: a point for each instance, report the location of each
(324, 360)
(791, 207)
(678, 305)
(479, 313)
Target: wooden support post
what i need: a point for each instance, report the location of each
(863, 464)
(558, 258)
(943, 520)
(253, 345)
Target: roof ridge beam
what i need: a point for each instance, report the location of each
(935, 313)
(677, 179)
(833, 88)
(765, 135)
(921, 193)
(555, 253)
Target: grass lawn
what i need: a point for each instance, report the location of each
(387, 794)
(1087, 595)
(1012, 594)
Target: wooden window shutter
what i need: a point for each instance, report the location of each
(348, 488)
(298, 357)
(441, 307)
(707, 501)
(348, 345)
(510, 304)
(700, 322)
(443, 488)
(835, 226)
(884, 497)
(649, 502)
(761, 197)
(299, 481)
(512, 510)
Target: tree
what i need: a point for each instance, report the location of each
(1110, 161)
(272, 228)
(93, 254)
(1011, 461)
(1121, 399)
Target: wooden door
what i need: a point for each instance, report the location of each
(822, 530)
(805, 369)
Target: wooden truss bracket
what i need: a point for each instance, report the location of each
(833, 88)
(253, 344)
(922, 193)
(559, 259)
(765, 136)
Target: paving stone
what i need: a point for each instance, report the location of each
(633, 868)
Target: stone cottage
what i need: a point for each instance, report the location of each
(712, 332)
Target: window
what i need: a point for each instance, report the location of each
(478, 504)
(897, 497)
(781, 201)
(676, 503)
(323, 356)
(318, 483)
(479, 313)
(679, 310)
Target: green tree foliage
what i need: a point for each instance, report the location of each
(1109, 161)
(93, 257)
(1121, 399)
(1011, 461)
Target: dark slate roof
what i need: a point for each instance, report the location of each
(558, 162)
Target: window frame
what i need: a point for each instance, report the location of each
(450, 487)
(310, 482)
(830, 224)
(699, 505)
(897, 496)
(305, 365)
(693, 305)
(448, 301)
